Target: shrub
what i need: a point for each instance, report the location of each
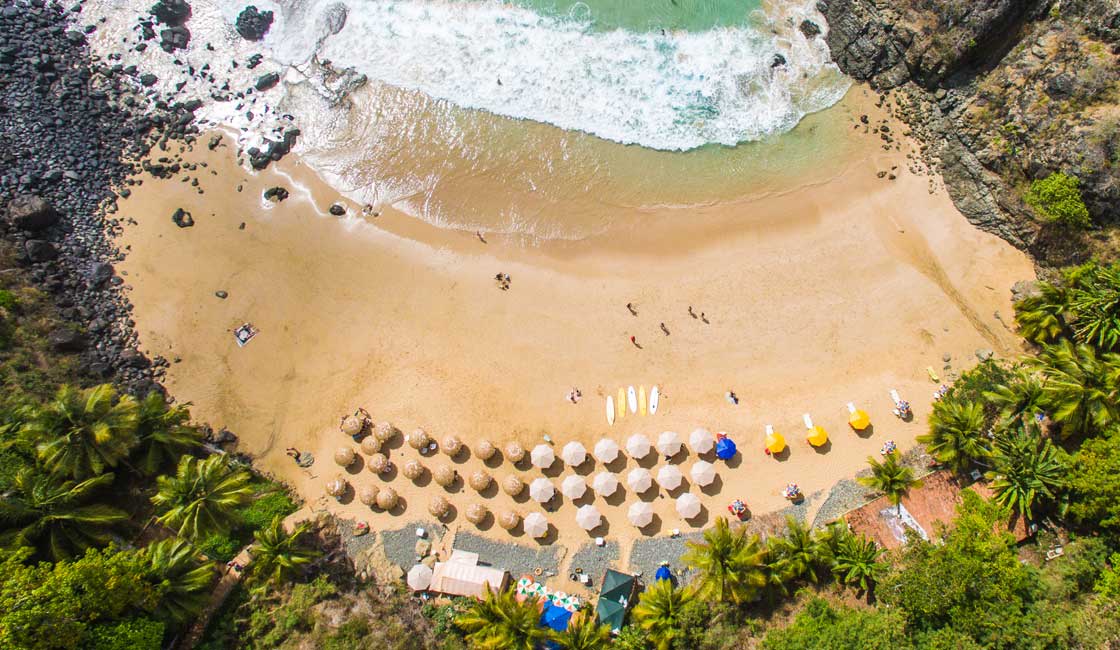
(221, 548)
(263, 509)
(135, 634)
(1058, 198)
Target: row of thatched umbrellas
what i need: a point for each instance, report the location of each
(540, 489)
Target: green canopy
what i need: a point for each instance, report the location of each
(614, 598)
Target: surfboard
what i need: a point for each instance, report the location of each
(610, 410)
(641, 400)
(632, 399)
(654, 398)
(620, 403)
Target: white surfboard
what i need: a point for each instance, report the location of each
(610, 410)
(632, 399)
(654, 397)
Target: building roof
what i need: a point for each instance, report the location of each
(923, 509)
(461, 575)
(614, 598)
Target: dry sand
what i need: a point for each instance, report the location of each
(828, 293)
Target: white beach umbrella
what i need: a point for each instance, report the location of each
(588, 517)
(542, 456)
(535, 525)
(541, 490)
(573, 486)
(638, 445)
(606, 450)
(604, 484)
(639, 480)
(640, 514)
(668, 443)
(701, 441)
(669, 477)
(419, 577)
(702, 473)
(574, 454)
(688, 506)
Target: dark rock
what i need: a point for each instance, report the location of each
(182, 218)
(253, 24)
(224, 436)
(276, 194)
(264, 82)
(38, 250)
(65, 339)
(1060, 86)
(148, 80)
(31, 212)
(133, 359)
(809, 29)
(174, 38)
(337, 209)
(215, 140)
(171, 12)
(778, 60)
(100, 274)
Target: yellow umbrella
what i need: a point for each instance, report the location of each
(817, 436)
(775, 443)
(858, 418)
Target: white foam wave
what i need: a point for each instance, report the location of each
(671, 91)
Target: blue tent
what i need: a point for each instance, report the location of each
(725, 448)
(555, 617)
(663, 573)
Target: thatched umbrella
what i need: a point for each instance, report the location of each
(485, 449)
(337, 486)
(480, 480)
(515, 452)
(419, 439)
(370, 445)
(368, 494)
(444, 475)
(452, 445)
(439, 506)
(383, 431)
(509, 519)
(352, 425)
(344, 457)
(412, 470)
(513, 485)
(476, 513)
(378, 463)
(387, 498)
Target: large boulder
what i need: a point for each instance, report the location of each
(171, 12)
(65, 339)
(38, 250)
(30, 212)
(174, 38)
(253, 24)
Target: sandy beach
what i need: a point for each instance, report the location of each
(835, 290)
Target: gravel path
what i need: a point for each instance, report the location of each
(515, 558)
(595, 561)
(354, 545)
(648, 554)
(400, 544)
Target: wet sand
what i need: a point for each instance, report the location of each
(827, 293)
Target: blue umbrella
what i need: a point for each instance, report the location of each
(555, 617)
(663, 573)
(725, 448)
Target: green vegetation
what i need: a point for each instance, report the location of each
(891, 477)
(1058, 198)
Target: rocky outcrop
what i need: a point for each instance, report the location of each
(252, 24)
(1003, 92)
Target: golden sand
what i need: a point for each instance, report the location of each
(825, 294)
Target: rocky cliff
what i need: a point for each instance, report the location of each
(1004, 92)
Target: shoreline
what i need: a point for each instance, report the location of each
(404, 319)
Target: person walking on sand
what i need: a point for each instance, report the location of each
(478, 233)
(633, 310)
(634, 340)
(690, 312)
(664, 329)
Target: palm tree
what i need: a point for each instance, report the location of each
(1026, 469)
(1042, 318)
(56, 515)
(277, 554)
(182, 577)
(956, 434)
(163, 433)
(857, 562)
(202, 497)
(660, 612)
(1020, 397)
(584, 633)
(1096, 306)
(1081, 389)
(732, 566)
(892, 478)
(500, 622)
(798, 552)
(81, 433)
